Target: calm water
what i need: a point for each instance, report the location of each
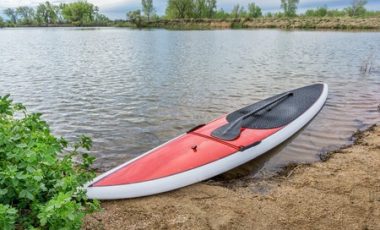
(132, 90)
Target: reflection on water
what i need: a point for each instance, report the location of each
(131, 90)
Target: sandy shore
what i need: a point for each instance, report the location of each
(341, 193)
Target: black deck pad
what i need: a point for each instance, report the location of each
(281, 113)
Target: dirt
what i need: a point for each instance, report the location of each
(343, 192)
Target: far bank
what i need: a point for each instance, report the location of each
(318, 23)
(303, 23)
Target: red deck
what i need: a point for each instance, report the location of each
(184, 153)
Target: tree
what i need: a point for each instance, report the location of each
(204, 8)
(79, 13)
(180, 9)
(254, 11)
(11, 14)
(148, 8)
(101, 19)
(200, 9)
(26, 14)
(135, 17)
(357, 8)
(242, 12)
(47, 13)
(235, 11)
(210, 8)
(238, 11)
(221, 14)
(41, 14)
(1, 22)
(289, 7)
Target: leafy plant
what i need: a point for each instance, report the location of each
(8, 216)
(40, 185)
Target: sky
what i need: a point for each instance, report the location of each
(116, 9)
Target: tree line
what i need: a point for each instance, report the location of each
(78, 13)
(207, 9)
(179, 9)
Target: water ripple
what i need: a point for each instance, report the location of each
(132, 90)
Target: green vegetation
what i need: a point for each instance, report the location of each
(221, 14)
(47, 14)
(289, 7)
(319, 12)
(191, 9)
(135, 17)
(254, 11)
(39, 183)
(11, 14)
(148, 8)
(357, 8)
(237, 11)
(2, 24)
(179, 9)
(26, 14)
(204, 8)
(80, 13)
(202, 12)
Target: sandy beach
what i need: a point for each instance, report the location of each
(342, 192)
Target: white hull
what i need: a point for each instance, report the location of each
(207, 171)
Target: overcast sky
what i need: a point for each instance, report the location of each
(116, 9)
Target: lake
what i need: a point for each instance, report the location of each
(131, 90)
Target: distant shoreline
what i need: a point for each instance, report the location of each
(308, 23)
(318, 23)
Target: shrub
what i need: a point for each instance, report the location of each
(40, 186)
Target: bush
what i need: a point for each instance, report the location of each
(40, 186)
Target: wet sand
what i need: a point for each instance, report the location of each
(343, 192)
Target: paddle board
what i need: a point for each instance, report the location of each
(214, 148)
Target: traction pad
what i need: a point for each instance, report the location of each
(281, 113)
